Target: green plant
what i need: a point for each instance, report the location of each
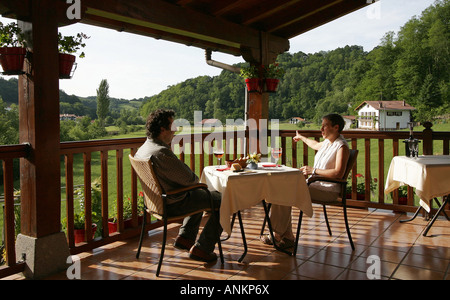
(11, 36)
(249, 72)
(79, 220)
(128, 208)
(273, 71)
(361, 184)
(71, 44)
(403, 191)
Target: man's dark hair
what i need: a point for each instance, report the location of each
(157, 119)
(336, 119)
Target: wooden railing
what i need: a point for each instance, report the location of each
(376, 151)
(8, 154)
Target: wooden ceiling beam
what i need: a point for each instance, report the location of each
(21, 10)
(268, 11)
(315, 14)
(177, 23)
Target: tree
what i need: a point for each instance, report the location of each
(9, 124)
(102, 100)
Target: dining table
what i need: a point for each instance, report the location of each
(269, 183)
(428, 174)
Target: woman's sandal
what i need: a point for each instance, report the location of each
(266, 239)
(283, 244)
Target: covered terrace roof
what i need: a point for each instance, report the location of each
(229, 26)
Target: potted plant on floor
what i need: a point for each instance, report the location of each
(272, 74)
(67, 45)
(251, 76)
(361, 187)
(12, 49)
(403, 195)
(127, 213)
(79, 227)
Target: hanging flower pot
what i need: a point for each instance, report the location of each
(12, 49)
(11, 59)
(66, 46)
(66, 63)
(253, 84)
(272, 85)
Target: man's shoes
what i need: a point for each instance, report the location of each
(183, 243)
(198, 254)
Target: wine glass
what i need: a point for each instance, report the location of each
(276, 153)
(218, 153)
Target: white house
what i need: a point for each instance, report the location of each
(384, 115)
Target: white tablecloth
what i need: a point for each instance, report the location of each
(277, 185)
(429, 174)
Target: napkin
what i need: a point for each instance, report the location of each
(223, 169)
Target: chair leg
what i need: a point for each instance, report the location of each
(265, 220)
(347, 227)
(163, 248)
(326, 219)
(142, 236)
(219, 244)
(298, 232)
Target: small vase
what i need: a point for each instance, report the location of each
(252, 166)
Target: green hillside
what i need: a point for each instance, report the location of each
(410, 65)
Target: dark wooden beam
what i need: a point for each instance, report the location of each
(315, 14)
(161, 19)
(22, 10)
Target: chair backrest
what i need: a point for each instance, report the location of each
(351, 162)
(151, 188)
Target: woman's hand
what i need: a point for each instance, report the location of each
(297, 137)
(307, 170)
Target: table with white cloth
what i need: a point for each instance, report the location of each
(241, 190)
(428, 174)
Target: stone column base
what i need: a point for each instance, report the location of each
(43, 256)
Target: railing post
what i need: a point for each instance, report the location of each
(428, 138)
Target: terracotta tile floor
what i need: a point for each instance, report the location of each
(402, 251)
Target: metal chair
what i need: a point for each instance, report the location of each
(155, 202)
(342, 195)
(341, 200)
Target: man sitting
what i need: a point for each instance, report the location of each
(173, 174)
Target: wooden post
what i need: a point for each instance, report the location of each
(39, 126)
(258, 102)
(41, 239)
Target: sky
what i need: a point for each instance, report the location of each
(137, 66)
